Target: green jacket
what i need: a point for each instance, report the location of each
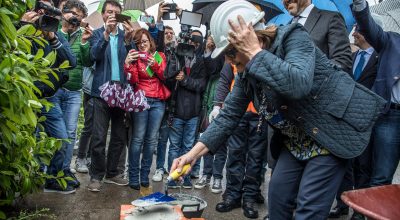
(82, 53)
(208, 98)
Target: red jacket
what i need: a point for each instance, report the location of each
(152, 86)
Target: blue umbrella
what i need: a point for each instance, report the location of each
(341, 6)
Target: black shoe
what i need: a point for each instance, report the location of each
(135, 187)
(249, 211)
(74, 182)
(54, 187)
(337, 212)
(227, 205)
(357, 216)
(266, 217)
(259, 198)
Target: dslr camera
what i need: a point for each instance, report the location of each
(170, 15)
(49, 21)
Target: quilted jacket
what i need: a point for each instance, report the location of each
(300, 82)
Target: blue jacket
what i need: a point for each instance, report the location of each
(101, 54)
(304, 86)
(387, 44)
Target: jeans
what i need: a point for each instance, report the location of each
(162, 144)
(146, 125)
(246, 153)
(70, 104)
(54, 126)
(312, 184)
(86, 133)
(181, 137)
(385, 148)
(102, 114)
(214, 164)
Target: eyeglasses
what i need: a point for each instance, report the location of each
(231, 52)
(143, 41)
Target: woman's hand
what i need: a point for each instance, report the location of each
(132, 56)
(189, 158)
(244, 38)
(150, 61)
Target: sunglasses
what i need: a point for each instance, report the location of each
(231, 52)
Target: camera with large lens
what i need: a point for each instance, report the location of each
(188, 19)
(49, 21)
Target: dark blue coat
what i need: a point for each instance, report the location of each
(101, 54)
(304, 86)
(387, 44)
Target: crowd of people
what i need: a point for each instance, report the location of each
(333, 111)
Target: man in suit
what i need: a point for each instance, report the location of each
(386, 143)
(326, 28)
(358, 174)
(109, 52)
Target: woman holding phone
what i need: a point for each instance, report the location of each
(144, 70)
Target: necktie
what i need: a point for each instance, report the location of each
(360, 65)
(295, 19)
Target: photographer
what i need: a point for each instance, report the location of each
(68, 97)
(54, 124)
(191, 79)
(109, 51)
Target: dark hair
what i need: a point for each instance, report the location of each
(110, 2)
(70, 4)
(169, 27)
(138, 36)
(267, 36)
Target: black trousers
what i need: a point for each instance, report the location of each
(101, 165)
(246, 153)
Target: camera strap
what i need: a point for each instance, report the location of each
(73, 37)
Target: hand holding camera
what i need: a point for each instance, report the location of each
(132, 56)
(111, 24)
(86, 34)
(30, 17)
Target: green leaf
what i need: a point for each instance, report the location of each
(2, 215)
(7, 172)
(38, 55)
(64, 65)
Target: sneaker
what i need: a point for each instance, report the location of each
(81, 165)
(145, 191)
(74, 182)
(117, 180)
(172, 185)
(158, 175)
(72, 170)
(187, 184)
(194, 176)
(54, 187)
(217, 186)
(202, 182)
(94, 185)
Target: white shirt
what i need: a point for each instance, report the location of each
(304, 15)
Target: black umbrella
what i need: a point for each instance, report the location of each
(207, 8)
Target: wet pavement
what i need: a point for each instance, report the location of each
(106, 204)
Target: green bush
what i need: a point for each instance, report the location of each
(21, 147)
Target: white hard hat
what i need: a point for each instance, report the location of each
(219, 25)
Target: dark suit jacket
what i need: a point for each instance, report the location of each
(328, 31)
(368, 74)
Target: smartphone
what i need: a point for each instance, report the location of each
(147, 19)
(121, 18)
(84, 24)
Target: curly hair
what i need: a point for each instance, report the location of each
(70, 4)
(138, 36)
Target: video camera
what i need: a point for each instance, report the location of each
(49, 21)
(188, 19)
